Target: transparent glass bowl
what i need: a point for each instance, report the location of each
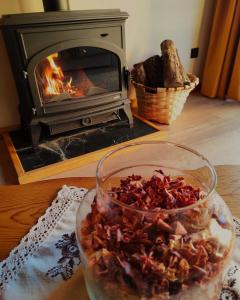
(133, 253)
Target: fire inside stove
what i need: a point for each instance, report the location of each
(55, 83)
(76, 73)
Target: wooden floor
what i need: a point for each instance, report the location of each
(209, 126)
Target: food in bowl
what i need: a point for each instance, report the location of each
(155, 238)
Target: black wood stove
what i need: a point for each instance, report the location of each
(69, 68)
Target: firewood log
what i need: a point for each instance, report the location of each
(153, 69)
(173, 72)
(138, 73)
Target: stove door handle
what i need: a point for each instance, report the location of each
(126, 77)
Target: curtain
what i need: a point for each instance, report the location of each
(221, 75)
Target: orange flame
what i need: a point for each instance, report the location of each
(57, 70)
(55, 82)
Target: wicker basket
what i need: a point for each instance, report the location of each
(162, 104)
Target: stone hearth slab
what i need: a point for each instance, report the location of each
(70, 151)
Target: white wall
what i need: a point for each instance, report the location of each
(186, 22)
(152, 21)
(179, 21)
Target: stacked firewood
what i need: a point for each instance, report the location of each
(162, 71)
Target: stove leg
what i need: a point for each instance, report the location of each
(128, 112)
(35, 132)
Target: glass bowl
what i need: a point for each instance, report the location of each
(154, 228)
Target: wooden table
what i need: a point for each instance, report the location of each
(21, 206)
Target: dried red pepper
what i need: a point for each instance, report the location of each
(150, 254)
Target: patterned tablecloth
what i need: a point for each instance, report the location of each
(45, 265)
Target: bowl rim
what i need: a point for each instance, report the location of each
(165, 211)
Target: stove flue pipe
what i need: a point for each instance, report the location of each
(55, 5)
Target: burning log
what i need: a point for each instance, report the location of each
(85, 83)
(55, 85)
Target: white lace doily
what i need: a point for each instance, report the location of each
(58, 220)
(48, 256)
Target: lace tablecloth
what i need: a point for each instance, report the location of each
(45, 265)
